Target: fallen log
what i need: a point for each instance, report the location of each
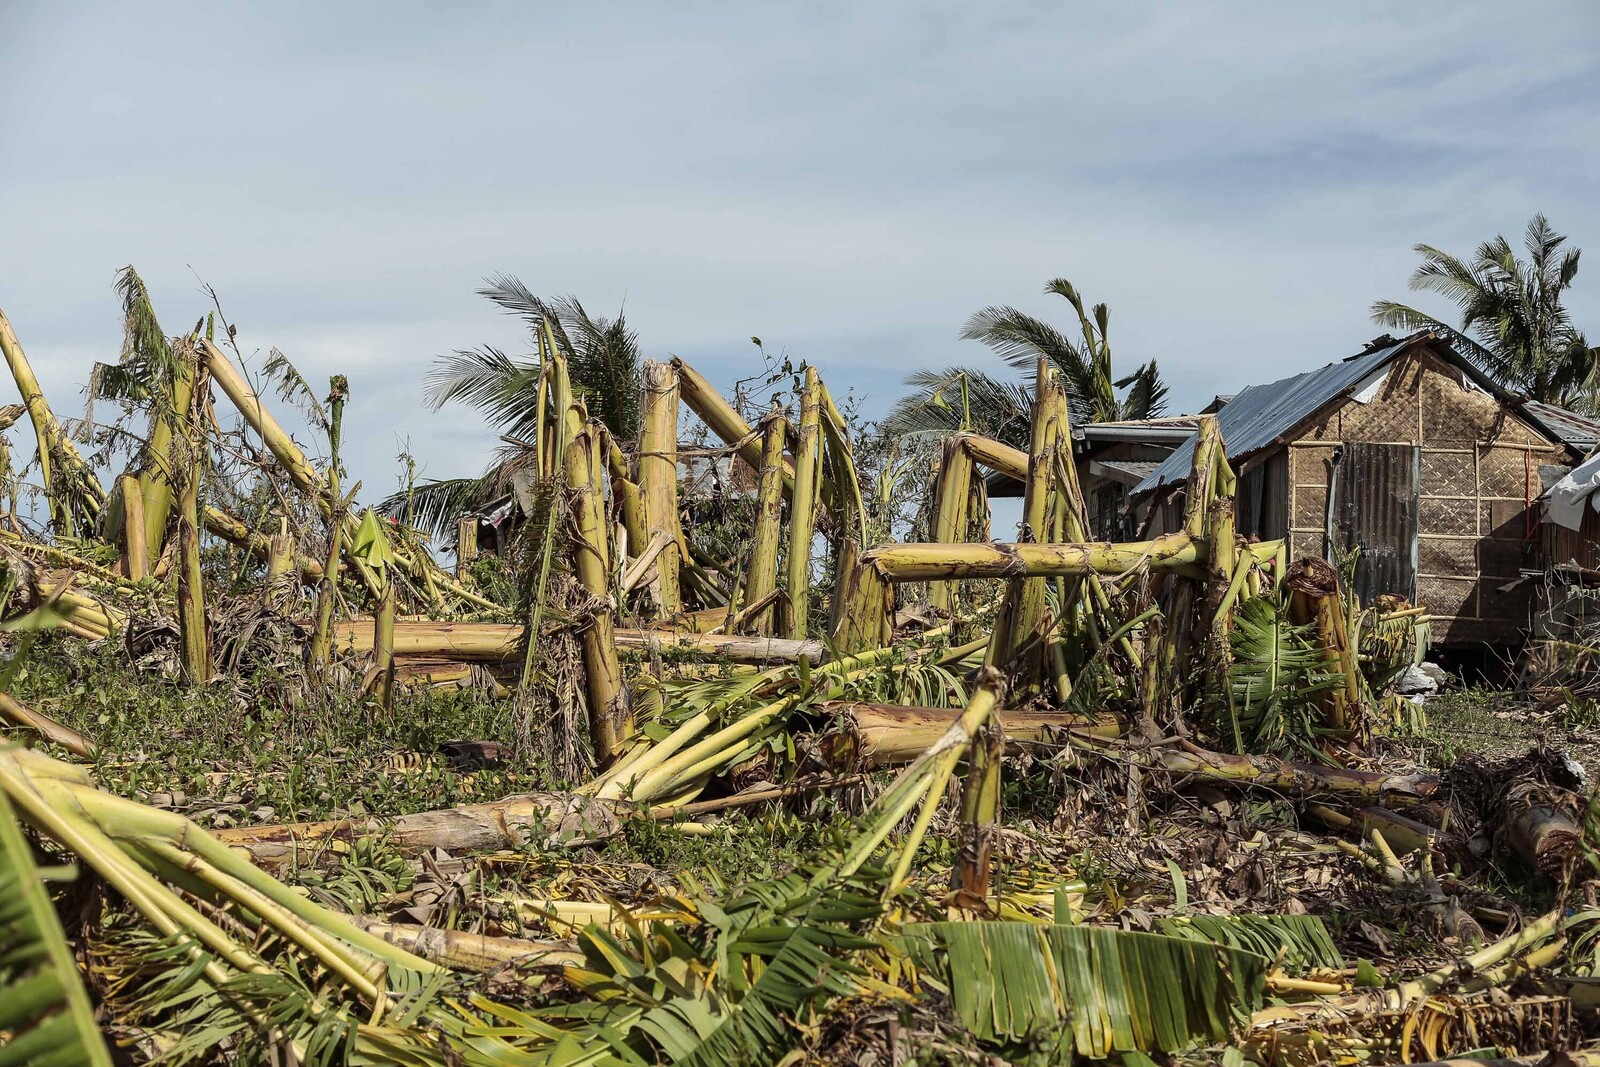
(925, 562)
(888, 735)
(1541, 833)
(18, 714)
(462, 951)
(490, 642)
(553, 819)
(1302, 780)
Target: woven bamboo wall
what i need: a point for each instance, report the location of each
(1479, 471)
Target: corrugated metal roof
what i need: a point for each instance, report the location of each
(1164, 432)
(1579, 431)
(1259, 415)
(1131, 469)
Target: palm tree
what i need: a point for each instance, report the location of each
(965, 398)
(604, 363)
(1513, 322)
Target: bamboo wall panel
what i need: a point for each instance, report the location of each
(1305, 543)
(1448, 597)
(1382, 419)
(1454, 413)
(1453, 469)
(1310, 507)
(1311, 465)
(1447, 556)
(1510, 472)
(1452, 518)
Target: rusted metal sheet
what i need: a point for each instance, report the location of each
(1375, 512)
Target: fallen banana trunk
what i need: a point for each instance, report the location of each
(1303, 780)
(1544, 836)
(1479, 970)
(925, 562)
(1404, 834)
(491, 642)
(219, 523)
(1177, 553)
(1568, 1058)
(550, 819)
(462, 951)
(888, 735)
(18, 714)
(233, 924)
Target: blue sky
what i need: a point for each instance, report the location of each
(1238, 180)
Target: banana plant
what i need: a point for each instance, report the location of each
(45, 1016)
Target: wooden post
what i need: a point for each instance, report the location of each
(466, 544)
(135, 549)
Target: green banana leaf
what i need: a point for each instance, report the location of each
(1278, 674)
(1298, 942)
(1112, 990)
(45, 1017)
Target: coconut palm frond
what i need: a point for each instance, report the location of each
(942, 400)
(504, 388)
(433, 507)
(1146, 396)
(605, 364)
(43, 1007)
(509, 292)
(1514, 323)
(1020, 339)
(1085, 365)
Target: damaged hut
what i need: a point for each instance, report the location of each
(1407, 458)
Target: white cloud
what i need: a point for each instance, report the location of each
(1239, 181)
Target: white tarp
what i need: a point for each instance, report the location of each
(1368, 387)
(1565, 499)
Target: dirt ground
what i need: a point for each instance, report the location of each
(1502, 723)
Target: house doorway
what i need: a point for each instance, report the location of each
(1374, 510)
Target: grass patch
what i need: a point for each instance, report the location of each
(246, 751)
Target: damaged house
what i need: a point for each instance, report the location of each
(1406, 456)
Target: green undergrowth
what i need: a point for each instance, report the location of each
(247, 750)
